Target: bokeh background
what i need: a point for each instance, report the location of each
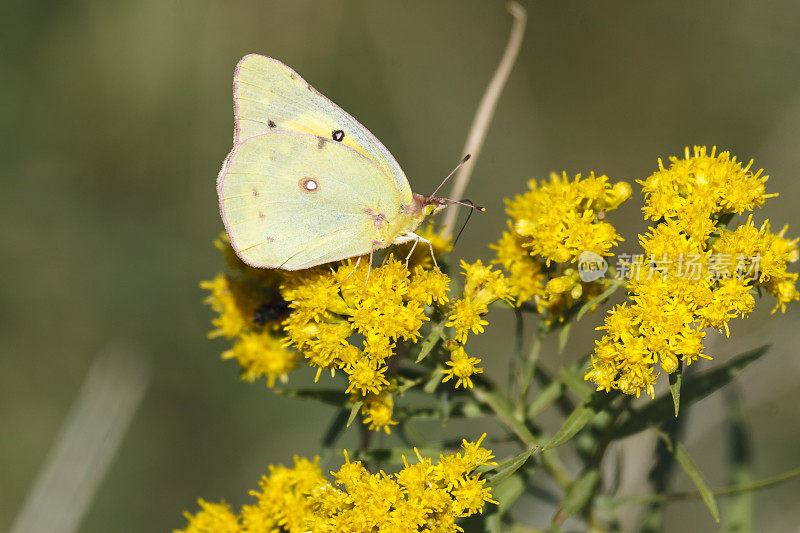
(116, 117)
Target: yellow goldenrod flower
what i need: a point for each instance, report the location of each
(560, 219)
(462, 367)
(346, 316)
(212, 518)
(235, 309)
(762, 256)
(556, 222)
(378, 410)
(420, 497)
(526, 276)
(694, 273)
(702, 186)
(262, 355)
(467, 316)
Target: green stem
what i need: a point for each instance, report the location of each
(695, 494)
(529, 365)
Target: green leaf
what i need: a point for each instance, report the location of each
(612, 287)
(506, 493)
(501, 406)
(429, 343)
(394, 456)
(578, 419)
(675, 386)
(563, 337)
(335, 430)
(580, 492)
(572, 377)
(433, 381)
(507, 467)
(354, 411)
(739, 509)
(335, 397)
(545, 397)
(690, 468)
(697, 388)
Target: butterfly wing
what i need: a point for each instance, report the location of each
(270, 96)
(277, 218)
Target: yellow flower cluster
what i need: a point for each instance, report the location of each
(555, 222)
(482, 286)
(772, 251)
(420, 497)
(250, 310)
(693, 274)
(335, 308)
(351, 317)
(699, 188)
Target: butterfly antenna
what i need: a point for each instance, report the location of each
(469, 214)
(470, 204)
(466, 158)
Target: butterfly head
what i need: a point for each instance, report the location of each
(432, 205)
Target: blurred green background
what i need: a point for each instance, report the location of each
(116, 117)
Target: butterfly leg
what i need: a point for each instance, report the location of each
(411, 236)
(433, 256)
(354, 268)
(369, 267)
(408, 257)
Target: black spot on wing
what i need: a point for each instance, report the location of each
(270, 124)
(337, 135)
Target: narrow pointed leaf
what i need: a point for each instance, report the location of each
(691, 469)
(335, 397)
(580, 492)
(506, 468)
(506, 493)
(545, 397)
(612, 287)
(429, 343)
(501, 406)
(675, 386)
(563, 337)
(572, 377)
(694, 390)
(354, 411)
(578, 419)
(335, 429)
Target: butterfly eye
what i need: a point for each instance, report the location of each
(309, 185)
(337, 135)
(429, 209)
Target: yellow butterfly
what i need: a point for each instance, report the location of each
(305, 183)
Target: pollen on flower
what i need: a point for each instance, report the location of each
(423, 496)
